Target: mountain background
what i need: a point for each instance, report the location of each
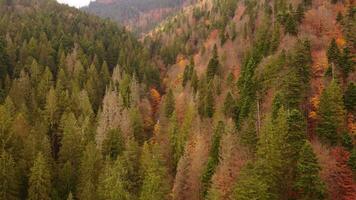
(138, 16)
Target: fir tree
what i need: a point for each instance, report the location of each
(331, 114)
(169, 104)
(229, 105)
(112, 182)
(350, 98)
(113, 145)
(40, 180)
(155, 185)
(250, 186)
(9, 186)
(88, 173)
(213, 66)
(308, 182)
(214, 158)
(333, 52)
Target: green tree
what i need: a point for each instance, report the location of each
(155, 184)
(350, 97)
(137, 125)
(169, 104)
(112, 182)
(308, 182)
(113, 145)
(9, 186)
(333, 52)
(250, 186)
(88, 173)
(214, 158)
(213, 66)
(40, 180)
(210, 103)
(331, 114)
(346, 62)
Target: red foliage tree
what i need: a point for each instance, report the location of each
(344, 186)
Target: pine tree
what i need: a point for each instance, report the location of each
(296, 134)
(291, 25)
(9, 186)
(174, 139)
(195, 82)
(88, 173)
(350, 98)
(113, 145)
(112, 182)
(40, 180)
(333, 52)
(169, 104)
(331, 114)
(346, 62)
(214, 158)
(213, 66)
(250, 186)
(155, 184)
(209, 103)
(137, 125)
(229, 105)
(308, 182)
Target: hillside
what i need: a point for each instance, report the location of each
(222, 100)
(138, 16)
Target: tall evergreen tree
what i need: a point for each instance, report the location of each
(155, 184)
(9, 185)
(331, 114)
(308, 182)
(169, 104)
(88, 173)
(213, 66)
(214, 158)
(40, 180)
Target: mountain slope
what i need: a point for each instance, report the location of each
(139, 16)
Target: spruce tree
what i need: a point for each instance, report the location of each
(308, 182)
(169, 104)
(350, 98)
(113, 144)
(229, 105)
(9, 186)
(88, 173)
(331, 114)
(250, 186)
(213, 66)
(40, 180)
(209, 103)
(155, 184)
(333, 52)
(112, 183)
(214, 158)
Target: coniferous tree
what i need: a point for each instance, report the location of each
(346, 63)
(250, 186)
(308, 182)
(229, 105)
(333, 52)
(331, 114)
(169, 104)
(213, 66)
(113, 145)
(9, 186)
(88, 173)
(350, 98)
(209, 103)
(40, 180)
(155, 185)
(112, 182)
(213, 159)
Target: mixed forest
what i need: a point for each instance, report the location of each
(223, 100)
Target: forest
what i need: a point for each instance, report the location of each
(220, 100)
